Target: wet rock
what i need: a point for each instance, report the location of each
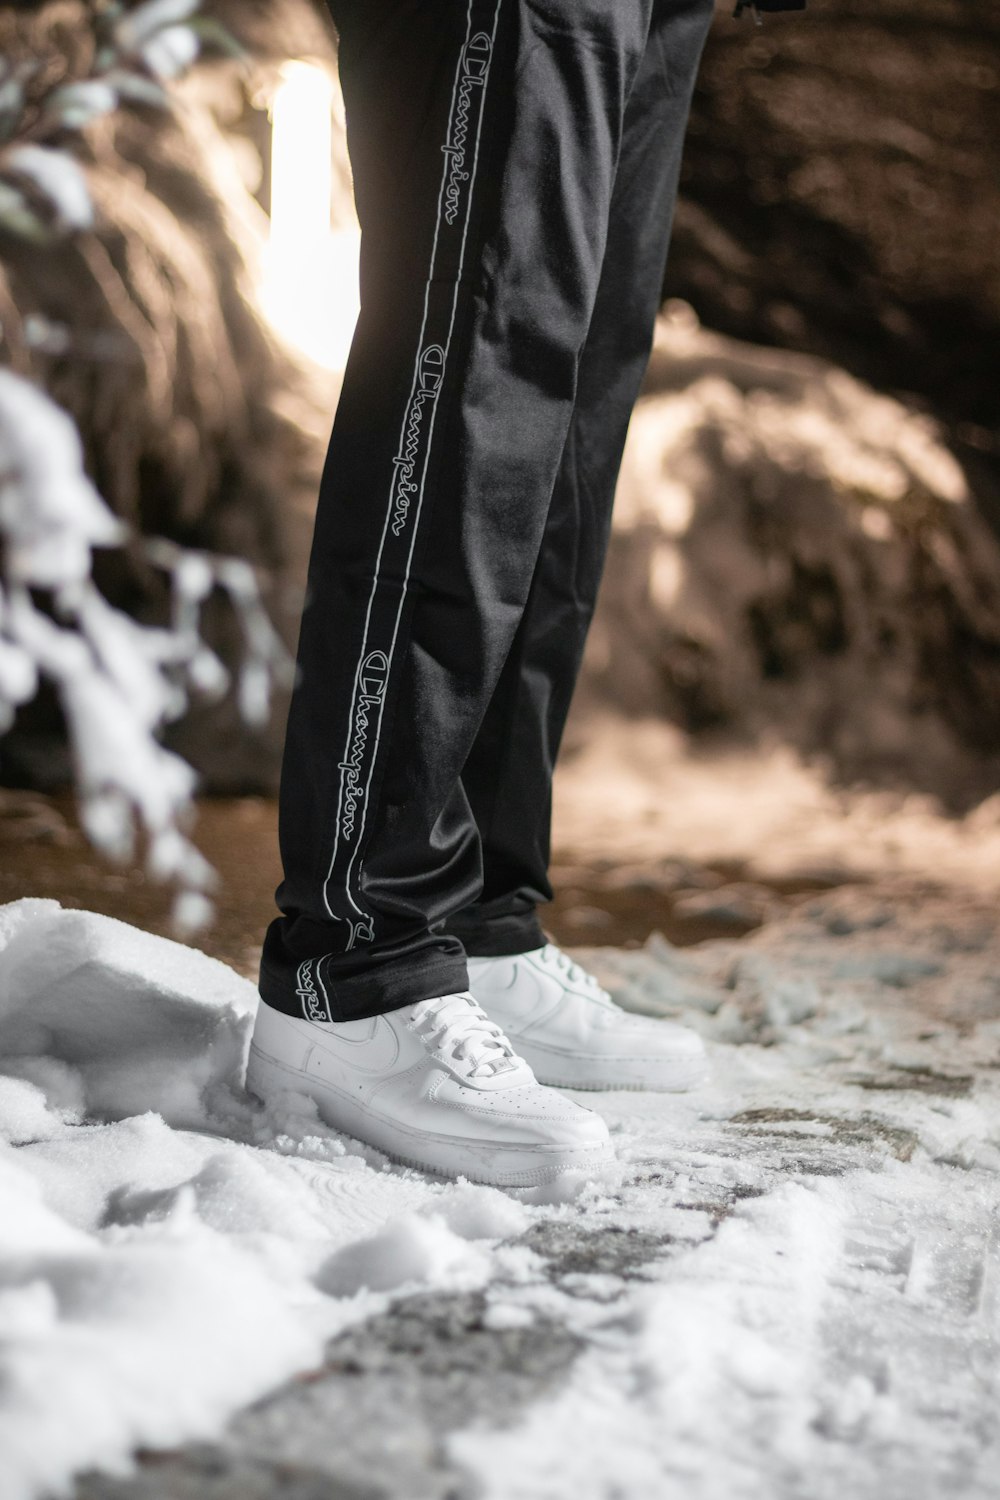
(798, 559)
(373, 1421)
(841, 195)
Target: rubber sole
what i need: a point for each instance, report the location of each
(678, 1078)
(622, 1088)
(266, 1077)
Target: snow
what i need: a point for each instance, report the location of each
(145, 1025)
(409, 1251)
(171, 51)
(77, 104)
(167, 1252)
(805, 1299)
(118, 681)
(61, 178)
(50, 514)
(827, 1322)
(146, 20)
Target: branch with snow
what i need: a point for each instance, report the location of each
(118, 681)
(137, 51)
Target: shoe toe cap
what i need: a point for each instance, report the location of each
(669, 1039)
(583, 1129)
(627, 1051)
(546, 1117)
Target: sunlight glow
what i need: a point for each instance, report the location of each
(310, 283)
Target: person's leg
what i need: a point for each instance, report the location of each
(557, 1016)
(484, 136)
(508, 775)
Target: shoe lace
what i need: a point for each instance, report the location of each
(456, 1026)
(577, 975)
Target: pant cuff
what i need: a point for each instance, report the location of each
(317, 988)
(497, 936)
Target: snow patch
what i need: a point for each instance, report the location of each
(414, 1251)
(789, 1288)
(146, 1023)
(169, 1253)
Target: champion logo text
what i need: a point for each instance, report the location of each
(475, 66)
(374, 674)
(313, 1005)
(429, 372)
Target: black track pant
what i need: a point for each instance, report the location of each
(515, 168)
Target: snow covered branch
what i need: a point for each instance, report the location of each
(119, 681)
(43, 190)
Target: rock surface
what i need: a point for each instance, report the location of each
(841, 195)
(797, 556)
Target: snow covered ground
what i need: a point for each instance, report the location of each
(789, 1286)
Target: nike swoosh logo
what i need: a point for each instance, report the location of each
(544, 999)
(364, 1046)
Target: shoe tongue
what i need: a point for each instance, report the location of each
(487, 1051)
(501, 1064)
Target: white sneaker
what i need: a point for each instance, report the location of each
(434, 1085)
(574, 1035)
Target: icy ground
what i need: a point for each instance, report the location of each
(789, 1288)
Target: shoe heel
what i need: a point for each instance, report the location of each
(265, 1077)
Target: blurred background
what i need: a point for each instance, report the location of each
(793, 681)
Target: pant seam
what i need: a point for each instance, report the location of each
(371, 687)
